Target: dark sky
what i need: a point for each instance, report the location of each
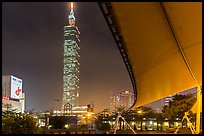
(33, 51)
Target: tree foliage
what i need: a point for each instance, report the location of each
(105, 126)
(146, 112)
(58, 122)
(178, 105)
(17, 123)
(100, 118)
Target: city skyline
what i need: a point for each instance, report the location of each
(32, 50)
(37, 31)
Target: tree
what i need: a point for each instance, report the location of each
(19, 124)
(101, 118)
(105, 126)
(58, 122)
(178, 105)
(146, 112)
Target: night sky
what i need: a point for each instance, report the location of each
(33, 51)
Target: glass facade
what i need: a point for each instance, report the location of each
(71, 63)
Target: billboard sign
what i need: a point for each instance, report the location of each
(16, 87)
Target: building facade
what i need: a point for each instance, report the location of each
(13, 96)
(71, 63)
(167, 99)
(122, 100)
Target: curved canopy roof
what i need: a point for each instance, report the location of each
(163, 43)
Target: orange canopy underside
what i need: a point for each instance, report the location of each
(152, 37)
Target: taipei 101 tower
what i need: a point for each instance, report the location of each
(71, 62)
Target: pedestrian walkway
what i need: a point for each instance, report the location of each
(141, 132)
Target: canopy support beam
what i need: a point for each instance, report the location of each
(198, 110)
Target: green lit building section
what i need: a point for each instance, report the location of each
(71, 63)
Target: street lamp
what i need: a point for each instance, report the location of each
(88, 115)
(139, 111)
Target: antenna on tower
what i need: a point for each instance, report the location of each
(71, 15)
(72, 5)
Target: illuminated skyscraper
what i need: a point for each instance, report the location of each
(71, 62)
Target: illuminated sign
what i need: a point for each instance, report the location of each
(16, 87)
(5, 98)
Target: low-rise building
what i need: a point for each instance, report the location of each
(13, 97)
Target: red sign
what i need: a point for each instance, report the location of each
(5, 98)
(18, 91)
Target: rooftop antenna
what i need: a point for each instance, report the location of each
(71, 15)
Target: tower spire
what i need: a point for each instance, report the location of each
(71, 15)
(72, 7)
